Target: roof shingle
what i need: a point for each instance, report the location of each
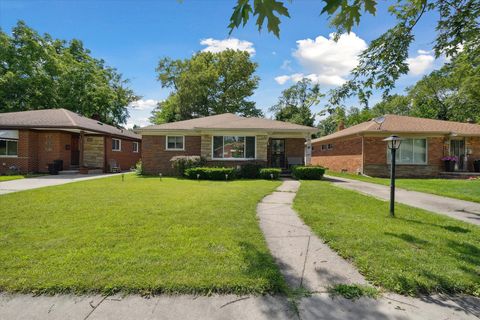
(229, 121)
(59, 118)
(404, 124)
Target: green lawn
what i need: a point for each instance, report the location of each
(139, 236)
(8, 178)
(416, 252)
(461, 189)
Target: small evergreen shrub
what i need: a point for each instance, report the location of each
(270, 173)
(182, 163)
(250, 171)
(210, 173)
(308, 172)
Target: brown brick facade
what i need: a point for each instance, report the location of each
(346, 155)
(125, 158)
(156, 157)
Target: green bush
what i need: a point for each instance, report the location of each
(182, 163)
(308, 172)
(139, 168)
(270, 173)
(210, 173)
(250, 171)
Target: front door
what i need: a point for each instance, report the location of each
(277, 151)
(74, 150)
(457, 149)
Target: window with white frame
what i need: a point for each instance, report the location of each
(9, 143)
(116, 145)
(135, 146)
(175, 142)
(233, 147)
(411, 151)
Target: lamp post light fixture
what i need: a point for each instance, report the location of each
(393, 143)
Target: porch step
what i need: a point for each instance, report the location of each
(69, 172)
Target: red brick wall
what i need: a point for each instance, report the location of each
(26, 142)
(155, 157)
(294, 147)
(125, 158)
(375, 159)
(51, 145)
(346, 154)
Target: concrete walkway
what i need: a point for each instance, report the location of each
(458, 209)
(46, 181)
(305, 262)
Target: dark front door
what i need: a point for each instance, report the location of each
(277, 151)
(74, 150)
(457, 149)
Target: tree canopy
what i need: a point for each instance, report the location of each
(450, 93)
(207, 84)
(384, 61)
(294, 104)
(40, 72)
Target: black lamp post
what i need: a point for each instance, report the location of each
(393, 144)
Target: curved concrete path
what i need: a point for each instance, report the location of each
(458, 209)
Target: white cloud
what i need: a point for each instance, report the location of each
(327, 61)
(282, 79)
(214, 45)
(142, 122)
(287, 65)
(420, 64)
(141, 104)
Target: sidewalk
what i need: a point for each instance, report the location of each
(46, 181)
(458, 209)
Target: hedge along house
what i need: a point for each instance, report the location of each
(361, 149)
(225, 140)
(30, 140)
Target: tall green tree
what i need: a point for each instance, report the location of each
(295, 103)
(207, 84)
(40, 72)
(384, 61)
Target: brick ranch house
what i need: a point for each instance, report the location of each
(360, 149)
(225, 140)
(30, 140)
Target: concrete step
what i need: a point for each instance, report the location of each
(69, 172)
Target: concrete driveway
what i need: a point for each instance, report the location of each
(46, 181)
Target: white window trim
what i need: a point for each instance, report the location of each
(11, 155)
(235, 159)
(119, 145)
(135, 143)
(174, 149)
(411, 164)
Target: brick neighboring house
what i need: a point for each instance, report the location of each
(225, 140)
(30, 140)
(360, 149)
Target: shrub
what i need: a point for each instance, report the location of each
(270, 173)
(139, 168)
(308, 172)
(210, 173)
(182, 163)
(250, 171)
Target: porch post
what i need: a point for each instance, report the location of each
(80, 147)
(308, 150)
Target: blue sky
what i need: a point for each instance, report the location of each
(133, 35)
